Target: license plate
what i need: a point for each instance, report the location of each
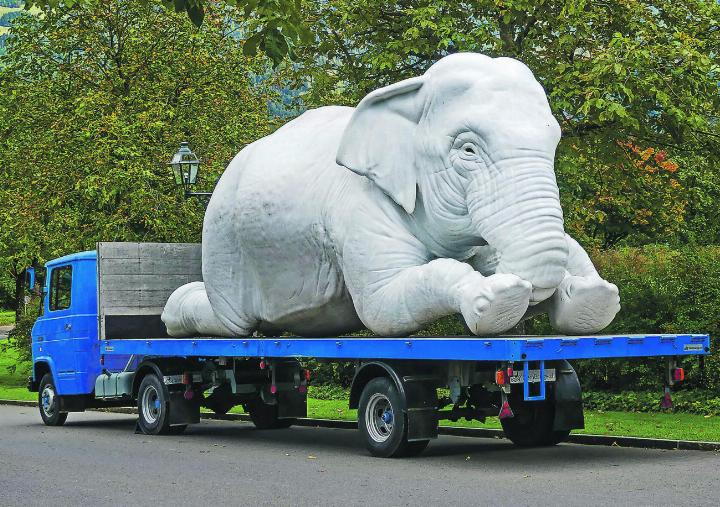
(533, 376)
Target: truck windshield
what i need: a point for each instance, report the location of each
(60, 288)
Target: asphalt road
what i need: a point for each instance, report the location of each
(96, 459)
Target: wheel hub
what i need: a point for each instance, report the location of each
(47, 400)
(151, 405)
(379, 417)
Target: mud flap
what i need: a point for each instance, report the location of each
(184, 411)
(568, 399)
(291, 404)
(421, 402)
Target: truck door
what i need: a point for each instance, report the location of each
(56, 329)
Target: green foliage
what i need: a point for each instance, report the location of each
(702, 402)
(272, 26)
(643, 72)
(7, 18)
(7, 317)
(328, 392)
(339, 374)
(18, 339)
(94, 103)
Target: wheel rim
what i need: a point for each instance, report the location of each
(47, 400)
(151, 406)
(379, 417)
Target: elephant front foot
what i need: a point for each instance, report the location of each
(494, 304)
(583, 305)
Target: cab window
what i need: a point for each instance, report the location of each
(60, 288)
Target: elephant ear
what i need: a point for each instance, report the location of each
(377, 141)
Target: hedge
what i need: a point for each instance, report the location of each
(702, 402)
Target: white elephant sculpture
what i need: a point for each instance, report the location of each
(434, 196)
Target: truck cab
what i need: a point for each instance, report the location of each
(65, 336)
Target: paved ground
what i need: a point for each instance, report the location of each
(97, 459)
(4, 330)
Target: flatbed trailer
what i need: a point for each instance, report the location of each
(96, 345)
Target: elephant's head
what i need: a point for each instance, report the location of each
(467, 150)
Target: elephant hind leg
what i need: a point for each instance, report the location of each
(188, 313)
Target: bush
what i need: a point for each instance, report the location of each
(328, 392)
(661, 291)
(702, 402)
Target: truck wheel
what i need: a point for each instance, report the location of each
(221, 400)
(265, 417)
(153, 408)
(49, 403)
(382, 423)
(532, 425)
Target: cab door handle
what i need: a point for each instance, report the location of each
(68, 327)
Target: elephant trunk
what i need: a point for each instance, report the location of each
(524, 225)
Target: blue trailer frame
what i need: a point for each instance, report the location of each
(446, 348)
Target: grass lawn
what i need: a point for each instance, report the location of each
(13, 386)
(7, 317)
(677, 426)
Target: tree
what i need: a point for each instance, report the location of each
(94, 101)
(273, 26)
(617, 72)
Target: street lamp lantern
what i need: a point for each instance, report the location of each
(185, 166)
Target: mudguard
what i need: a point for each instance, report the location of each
(417, 386)
(568, 399)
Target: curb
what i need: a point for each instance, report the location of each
(583, 439)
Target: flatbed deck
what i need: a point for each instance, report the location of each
(468, 348)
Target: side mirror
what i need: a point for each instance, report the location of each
(30, 279)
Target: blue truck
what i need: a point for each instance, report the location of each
(100, 343)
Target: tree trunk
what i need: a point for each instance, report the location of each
(19, 293)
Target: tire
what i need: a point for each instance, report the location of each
(532, 424)
(49, 402)
(221, 400)
(265, 417)
(154, 408)
(383, 424)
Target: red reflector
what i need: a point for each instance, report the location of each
(500, 377)
(307, 374)
(666, 401)
(506, 412)
(273, 388)
(262, 365)
(678, 374)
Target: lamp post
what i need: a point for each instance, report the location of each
(185, 166)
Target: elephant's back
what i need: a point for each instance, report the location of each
(299, 156)
(266, 248)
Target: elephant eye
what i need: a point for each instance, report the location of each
(469, 151)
